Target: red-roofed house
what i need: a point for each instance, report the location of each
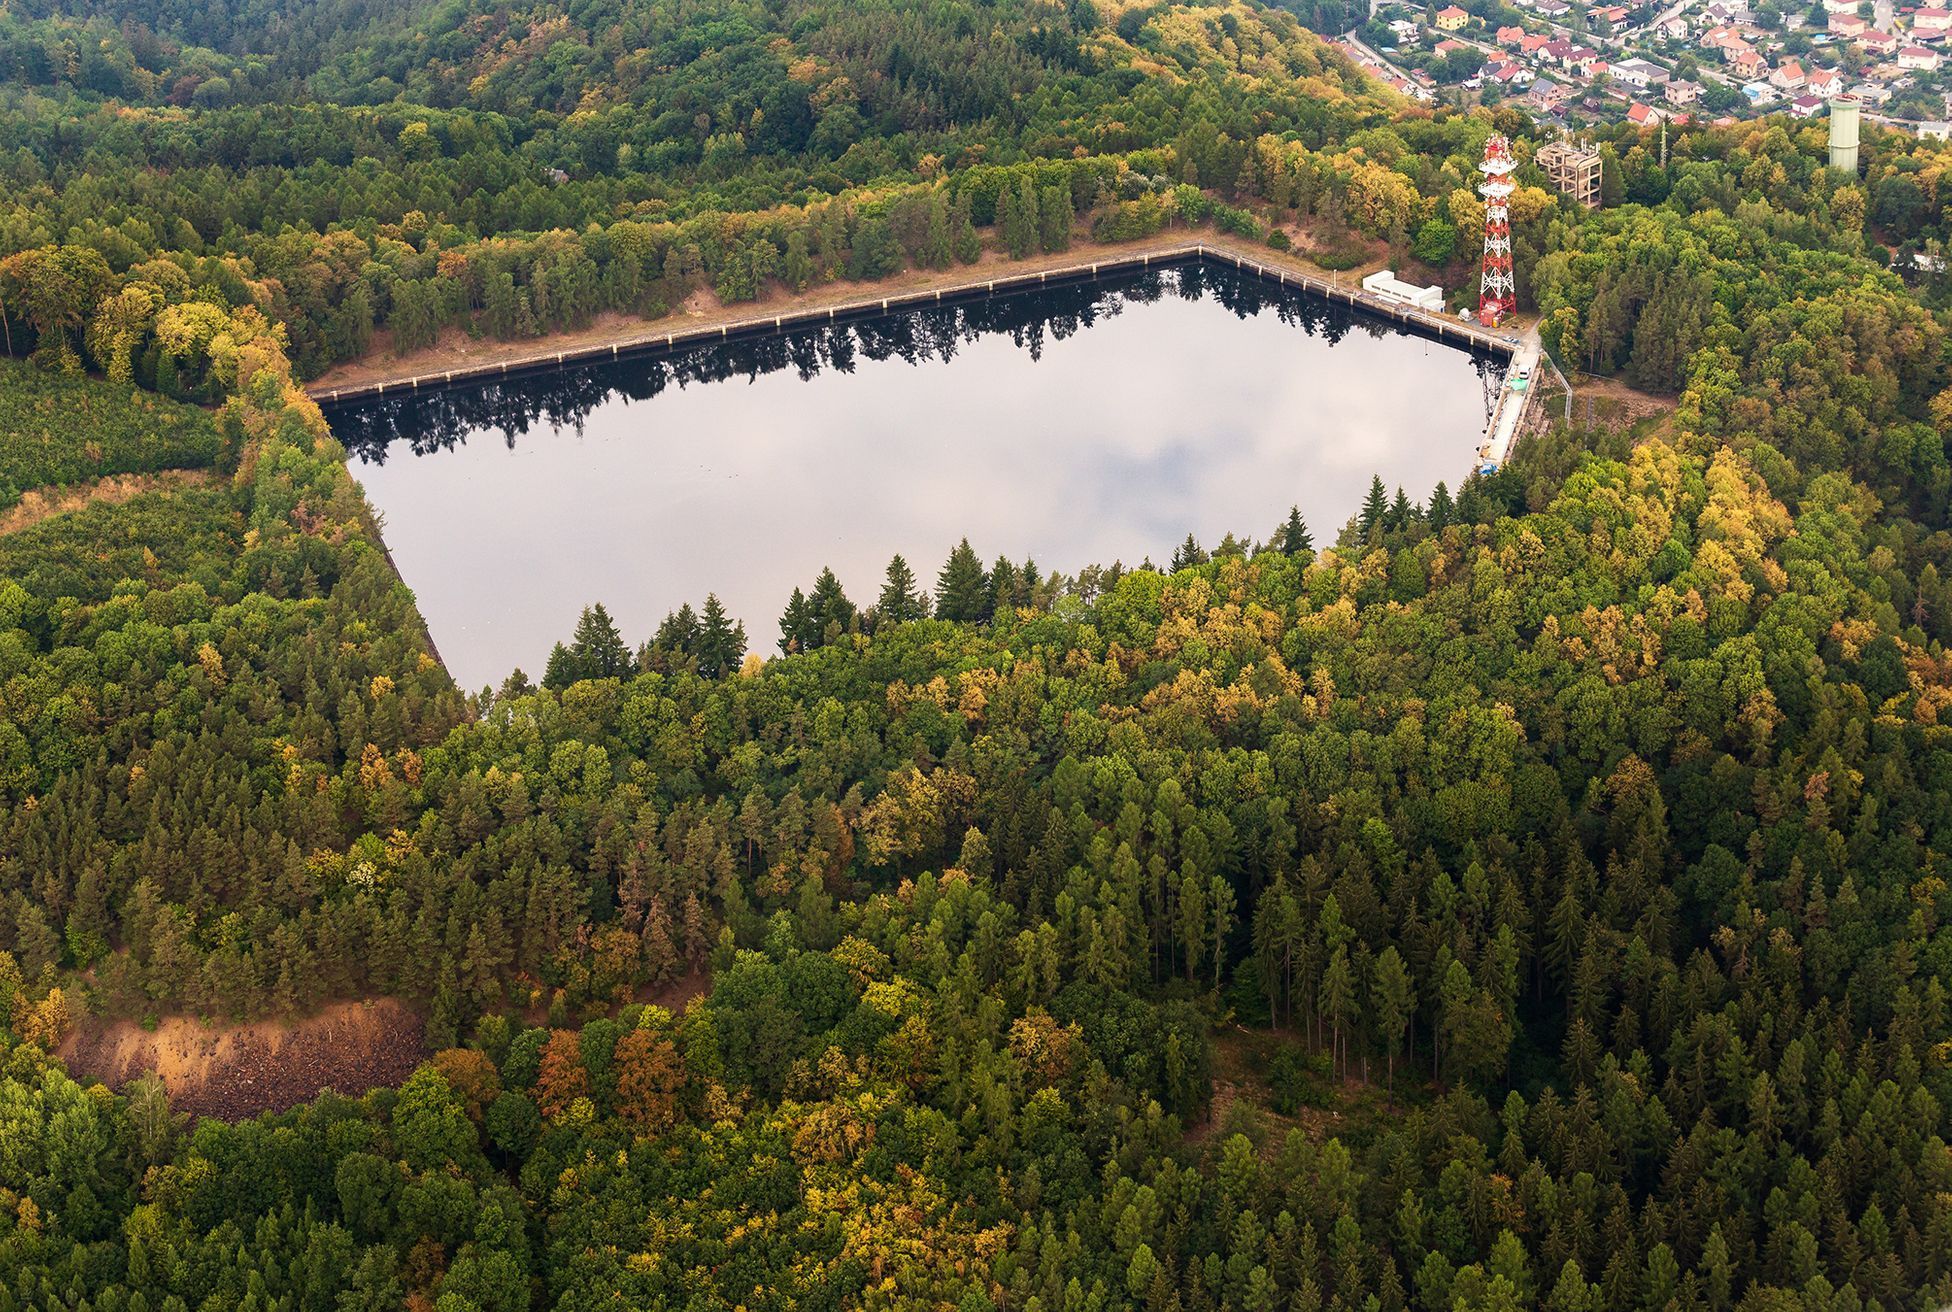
(1445, 46)
(1511, 36)
(1805, 106)
(1918, 58)
(1925, 21)
(1878, 43)
(1824, 82)
(1748, 64)
(1534, 41)
(1848, 26)
(1642, 116)
(1788, 76)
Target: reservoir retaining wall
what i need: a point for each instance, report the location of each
(1456, 332)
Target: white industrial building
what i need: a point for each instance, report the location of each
(1386, 284)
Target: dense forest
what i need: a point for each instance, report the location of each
(1570, 851)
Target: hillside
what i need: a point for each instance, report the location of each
(1572, 845)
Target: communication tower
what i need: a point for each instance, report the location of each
(1497, 294)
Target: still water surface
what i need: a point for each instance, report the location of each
(1077, 425)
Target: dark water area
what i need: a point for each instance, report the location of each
(1077, 425)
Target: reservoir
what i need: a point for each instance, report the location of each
(1095, 422)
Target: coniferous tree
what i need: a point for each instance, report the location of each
(563, 668)
(962, 589)
(968, 244)
(830, 614)
(1441, 509)
(1187, 555)
(899, 603)
(1375, 508)
(1003, 586)
(1293, 537)
(794, 625)
(721, 643)
(597, 646)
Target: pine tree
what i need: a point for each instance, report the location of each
(1441, 509)
(562, 670)
(1374, 508)
(1009, 228)
(898, 603)
(968, 245)
(1003, 585)
(1054, 215)
(1188, 555)
(962, 589)
(598, 647)
(1022, 234)
(1392, 1001)
(793, 625)
(720, 644)
(829, 613)
(939, 248)
(1294, 537)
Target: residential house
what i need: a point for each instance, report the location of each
(1680, 91)
(1878, 44)
(1447, 45)
(1918, 59)
(1639, 74)
(1726, 12)
(1805, 106)
(1760, 93)
(1848, 27)
(1533, 42)
(1675, 28)
(1547, 95)
(1931, 22)
(1788, 76)
(1834, 7)
(1510, 36)
(1403, 29)
(1452, 19)
(1556, 10)
(1748, 64)
(1933, 130)
(1824, 82)
(1872, 94)
(1613, 14)
(1719, 39)
(1642, 116)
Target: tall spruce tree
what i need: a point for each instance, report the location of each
(962, 589)
(721, 643)
(1375, 507)
(1294, 537)
(830, 613)
(899, 602)
(794, 624)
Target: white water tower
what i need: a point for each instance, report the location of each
(1843, 134)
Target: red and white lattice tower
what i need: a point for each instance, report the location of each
(1497, 294)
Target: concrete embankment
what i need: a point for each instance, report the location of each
(952, 288)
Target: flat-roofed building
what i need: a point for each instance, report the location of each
(1573, 168)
